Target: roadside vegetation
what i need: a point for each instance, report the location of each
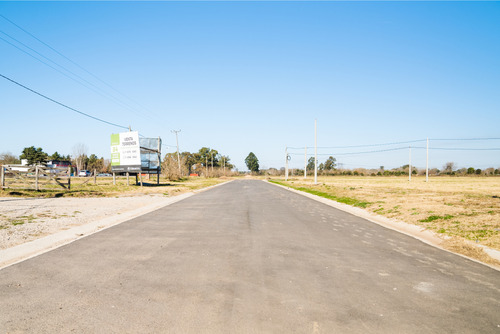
(457, 208)
(85, 187)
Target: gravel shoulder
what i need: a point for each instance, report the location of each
(31, 226)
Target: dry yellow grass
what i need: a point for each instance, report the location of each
(85, 187)
(463, 207)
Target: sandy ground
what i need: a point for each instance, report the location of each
(26, 219)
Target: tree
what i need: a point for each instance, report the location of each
(330, 164)
(252, 162)
(8, 158)
(34, 155)
(310, 164)
(207, 156)
(224, 161)
(80, 155)
(94, 163)
(449, 167)
(470, 170)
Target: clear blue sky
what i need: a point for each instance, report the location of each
(253, 76)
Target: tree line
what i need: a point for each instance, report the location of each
(80, 158)
(206, 162)
(331, 167)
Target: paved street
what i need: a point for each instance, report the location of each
(249, 257)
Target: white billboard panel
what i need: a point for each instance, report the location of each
(125, 151)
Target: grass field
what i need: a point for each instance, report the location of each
(459, 207)
(85, 187)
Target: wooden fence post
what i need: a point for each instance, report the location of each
(128, 182)
(3, 176)
(140, 177)
(69, 178)
(95, 177)
(114, 178)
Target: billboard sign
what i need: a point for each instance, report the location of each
(125, 152)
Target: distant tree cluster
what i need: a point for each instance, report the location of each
(36, 156)
(207, 162)
(330, 167)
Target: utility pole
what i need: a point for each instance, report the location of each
(305, 164)
(315, 152)
(286, 163)
(224, 163)
(409, 166)
(178, 156)
(206, 164)
(427, 163)
(212, 156)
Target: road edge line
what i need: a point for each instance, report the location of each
(428, 237)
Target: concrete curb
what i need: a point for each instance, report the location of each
(22, 252)
(411, 230)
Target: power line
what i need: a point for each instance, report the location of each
(102, 92)
(402, 142)
(61, 104)
(463, 149)
(461, 139)
(81, 80)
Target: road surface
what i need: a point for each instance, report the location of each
(249, 257)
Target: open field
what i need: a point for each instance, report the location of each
(85, 187)
(459, 207)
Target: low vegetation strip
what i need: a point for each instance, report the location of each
(104, 187)
(458, 208)
(343, 199)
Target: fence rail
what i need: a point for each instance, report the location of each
(35, 177)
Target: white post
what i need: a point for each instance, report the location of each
(305, 164)
(315, 153)
(427, 163)
(36, 177)
(286, 163)
(178, 156)
(409, 167)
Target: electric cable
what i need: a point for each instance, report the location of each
(122, 103)
(62, 104)
(97, 90)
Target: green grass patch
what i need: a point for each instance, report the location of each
(345, 200)
(435, 217)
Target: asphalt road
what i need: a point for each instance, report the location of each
(249, 257)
